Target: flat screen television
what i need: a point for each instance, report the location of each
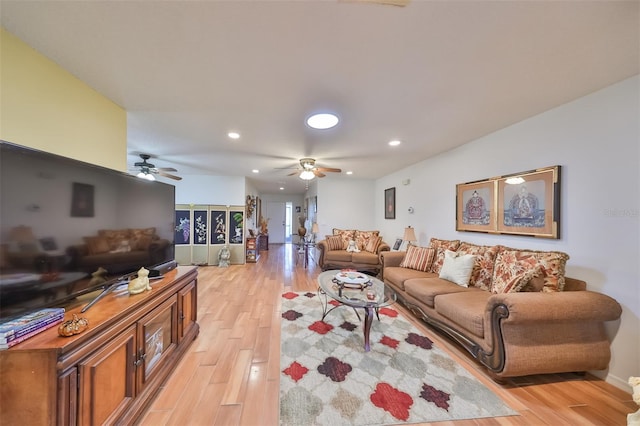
(68, 228)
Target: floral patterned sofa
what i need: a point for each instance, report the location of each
(333, 252)
(513, 310)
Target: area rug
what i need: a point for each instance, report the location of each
(327, 378)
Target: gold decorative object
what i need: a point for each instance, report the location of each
(73, 326)
(251, 205)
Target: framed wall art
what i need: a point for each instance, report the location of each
(526, 203)
(529, 203)
(476, 206)
(390, 203)
(81, 200)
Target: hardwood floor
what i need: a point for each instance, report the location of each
(230, 375)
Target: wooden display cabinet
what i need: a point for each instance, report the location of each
(111, 372)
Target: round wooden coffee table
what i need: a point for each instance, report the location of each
(356, 290)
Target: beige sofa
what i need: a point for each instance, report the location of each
(333, 254)
(539, 322)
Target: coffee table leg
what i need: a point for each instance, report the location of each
(368, 319)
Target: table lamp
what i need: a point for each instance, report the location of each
(409, 235)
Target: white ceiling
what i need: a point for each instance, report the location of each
(434, 74)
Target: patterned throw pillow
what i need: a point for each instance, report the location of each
(440, 247)
(97, 245)
(482, 274)
(514, 279)
(362, 238)
(457, 267)
(418, 258)
(552, 266)
(346, 235)
(373, 245)
(335, 242)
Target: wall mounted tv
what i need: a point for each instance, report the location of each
(68, 228)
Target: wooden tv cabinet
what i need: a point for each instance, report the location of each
(109, 373)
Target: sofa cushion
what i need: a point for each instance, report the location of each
(426, 289)
(464, 309)
(482, 273)
(335, 242)
(362, 238)
(373, 244)
(398, 275)
(115, 236)
(337, 256)
(457, 267)
(440, 246)
(346, 235)
(365, 257)
(552, 266)
(418, 258)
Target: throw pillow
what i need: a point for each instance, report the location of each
(441, 246)
(373, 245)
(510, 261)
(457, 267)
(346, 235)
(515, 281)
(362, 238)
(335, 242)
(97, 245)
(482, 273)
(418, 258)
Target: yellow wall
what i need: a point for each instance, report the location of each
(45, 107)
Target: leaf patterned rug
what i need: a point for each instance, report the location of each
(328, 379)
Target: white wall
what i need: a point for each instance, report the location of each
(596, 141)
(202, 189)
(345, 203)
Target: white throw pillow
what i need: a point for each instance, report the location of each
(457, 267)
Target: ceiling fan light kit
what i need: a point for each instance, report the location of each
(147, 170)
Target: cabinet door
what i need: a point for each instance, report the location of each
(157, 339)
(187, 309)
(67, 397)
(107, 380)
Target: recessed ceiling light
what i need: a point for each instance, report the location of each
(394, 142)
(255, 171)
(281, 188)
(234, 135)
(349, 172)
(322, 121)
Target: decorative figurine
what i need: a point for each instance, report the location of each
(353, 247)
(73, 326)
(224, 256)
(140, 284)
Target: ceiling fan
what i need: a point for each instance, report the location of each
(309, 169)
(146, 170)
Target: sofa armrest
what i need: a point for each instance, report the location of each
(322, 248)
(561, 306)
(391, 258)
(383, 247)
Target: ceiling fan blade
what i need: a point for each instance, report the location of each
(170, 176)
(166, 169)
(294, 173)
(328, 169)
(318, 173)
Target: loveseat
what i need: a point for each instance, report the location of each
(119, 250)
(512, 310)
(333, 252)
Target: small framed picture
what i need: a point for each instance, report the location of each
(397, 244)
(297, 209)
(390, 203)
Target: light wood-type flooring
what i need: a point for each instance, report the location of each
(230, 375)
